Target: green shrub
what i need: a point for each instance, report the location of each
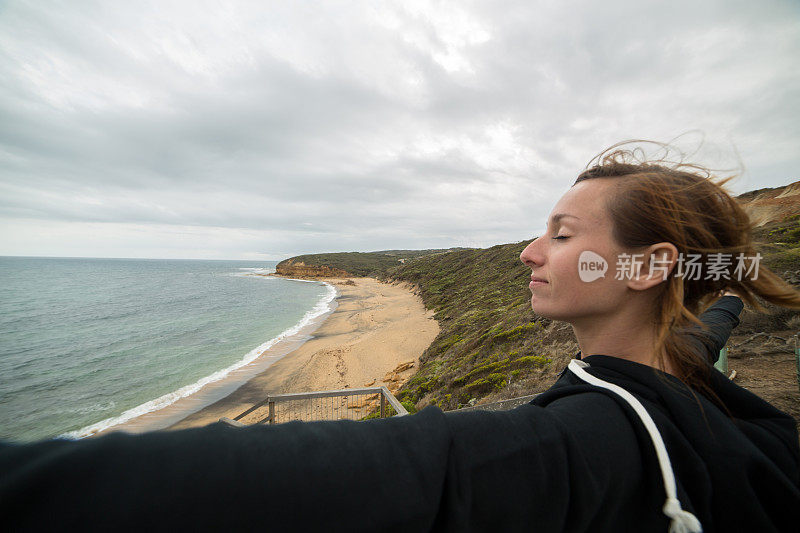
(410, 407)
(514, 333)
(492, 381)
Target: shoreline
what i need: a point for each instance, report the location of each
(215, 387)
(374, 336)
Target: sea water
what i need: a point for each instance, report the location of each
(86, 344)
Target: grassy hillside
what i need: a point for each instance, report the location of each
(780, 244)
(492, 346)
(360, 264)
(489, 336)
(354, 263)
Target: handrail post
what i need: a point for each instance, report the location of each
(722, 362)
(383, 404)
(271, 412)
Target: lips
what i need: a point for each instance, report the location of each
(536, 282)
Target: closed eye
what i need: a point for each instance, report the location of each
(561, 237)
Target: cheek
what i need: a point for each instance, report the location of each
(564, 266)
(588, 267)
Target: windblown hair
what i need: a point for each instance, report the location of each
(686, 205)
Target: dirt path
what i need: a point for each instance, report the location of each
(768, 368)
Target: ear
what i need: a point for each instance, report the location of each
(656, 265)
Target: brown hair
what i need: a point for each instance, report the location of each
(684, 204)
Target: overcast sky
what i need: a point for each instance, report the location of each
(262, 130)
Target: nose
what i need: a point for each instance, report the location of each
(532, 255)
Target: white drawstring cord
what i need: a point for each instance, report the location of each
(682, 521)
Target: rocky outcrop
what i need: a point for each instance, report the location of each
(301, 270)
(765, 206)
(394, 379)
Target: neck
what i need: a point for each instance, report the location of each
(623, 334)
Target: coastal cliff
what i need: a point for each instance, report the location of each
(765, 206)
(298, 269)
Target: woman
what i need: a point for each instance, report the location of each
(640, 435)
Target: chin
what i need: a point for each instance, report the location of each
(552, 314)
(542, 311)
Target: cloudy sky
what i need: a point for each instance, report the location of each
(262, 130)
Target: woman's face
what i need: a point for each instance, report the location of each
(578, 231)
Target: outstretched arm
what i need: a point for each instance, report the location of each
(431, 471)
(720, 318)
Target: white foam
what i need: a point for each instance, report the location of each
(249, 271)
(323, 306)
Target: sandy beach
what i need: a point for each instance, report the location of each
(375, 329)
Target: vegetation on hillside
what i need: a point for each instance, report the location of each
(779, 244)
(489, 336)
(361, 264)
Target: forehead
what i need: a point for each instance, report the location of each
(585, 200)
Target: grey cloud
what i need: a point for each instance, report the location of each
(371, 127)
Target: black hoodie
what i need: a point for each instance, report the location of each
(577, 458)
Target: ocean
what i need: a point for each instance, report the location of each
(86, 344)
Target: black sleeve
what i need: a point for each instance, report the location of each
(476, 471)
(720, 318)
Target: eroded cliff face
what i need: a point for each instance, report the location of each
(771, 205)
(301, 270)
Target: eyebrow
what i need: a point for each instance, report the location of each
(557, 218)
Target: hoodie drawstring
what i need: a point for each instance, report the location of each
(681, 521)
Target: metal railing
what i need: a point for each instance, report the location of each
(343, 404)
(373, 402)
